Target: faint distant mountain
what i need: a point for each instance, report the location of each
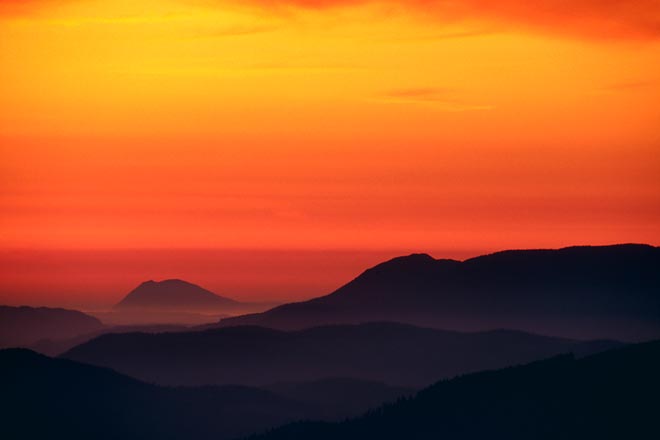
(53, 347)
(174, 294)
(22, 326)
(612, 395)
(582, 292)
(396, 354)
(157, 316)
(57, 398)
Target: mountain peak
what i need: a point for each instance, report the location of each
(168, 282)
(409, 264)
(419, 256)
(407, 260)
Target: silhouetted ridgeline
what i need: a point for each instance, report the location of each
(21, 326)
(393, 353)
(580, 292)
(612, 395)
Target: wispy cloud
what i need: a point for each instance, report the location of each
(632, 86)
(441, 98)
(626, 85)
(236, 31)
(453, 35)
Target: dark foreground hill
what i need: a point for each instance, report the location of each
(579, 292)
(57, 398)
(612, 395)
(397, 354)
(21, 326)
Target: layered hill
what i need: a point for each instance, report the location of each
(22, 326)
(393, 353)
(580, 292)
(56, 398)
(612, 395)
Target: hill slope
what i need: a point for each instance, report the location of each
(45, 397)
(612, 395)
(393, 353)
(580, 292)
(340, 397)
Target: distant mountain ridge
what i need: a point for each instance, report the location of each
(393, 353)
(174, 294)
(54, 347)
(578, 292)
(21, 326)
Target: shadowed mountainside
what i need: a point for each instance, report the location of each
(579, 292)
(339, 398)
(612, 395)
(22, 326)
(393, 353)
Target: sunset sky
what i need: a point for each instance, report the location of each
(275, 148)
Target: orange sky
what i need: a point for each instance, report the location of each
(311, 125)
